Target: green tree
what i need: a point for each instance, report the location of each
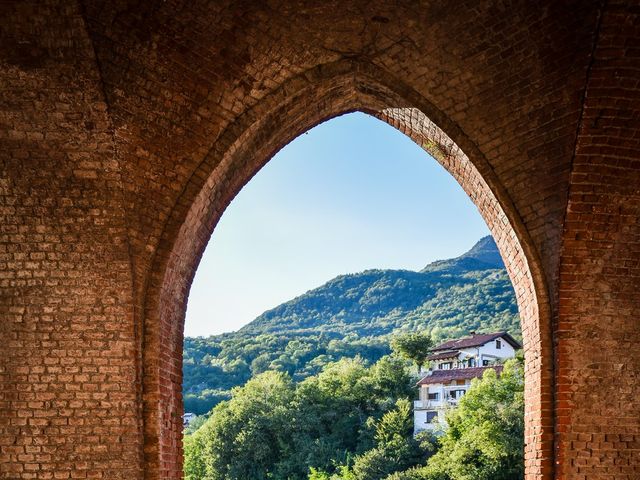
(396, 449)
(415, 347)
(260, 364)
(315, 474)
(244, 436)
(274, 429)
(194, 455)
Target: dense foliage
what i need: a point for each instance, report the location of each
(230, 360)
(353, 422)
(354, 315)
(273, 428)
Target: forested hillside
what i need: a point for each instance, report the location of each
(353, 315)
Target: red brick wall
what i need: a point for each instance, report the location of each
(69, 388)
(598, 333)
(127, 127)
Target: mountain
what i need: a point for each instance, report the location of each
(471, 291)
(353, 315)
(482, 256)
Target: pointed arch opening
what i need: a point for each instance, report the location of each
(241, 150)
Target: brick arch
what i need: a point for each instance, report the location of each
(248, 144)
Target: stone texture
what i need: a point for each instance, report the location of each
(127, 127)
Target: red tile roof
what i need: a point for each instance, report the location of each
(444, 376)
(443, 355)
(476, 341)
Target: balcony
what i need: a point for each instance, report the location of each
(427, 404)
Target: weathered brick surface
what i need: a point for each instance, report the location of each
(598, 378)
(127, 127)
(68, 384)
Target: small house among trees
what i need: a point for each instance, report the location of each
(453, 365)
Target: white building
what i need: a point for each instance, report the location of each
(453, 365)
(187, 418)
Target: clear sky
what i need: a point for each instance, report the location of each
(351, 194)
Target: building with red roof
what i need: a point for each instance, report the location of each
(453, 365)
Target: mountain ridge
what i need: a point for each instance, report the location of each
(409, 288)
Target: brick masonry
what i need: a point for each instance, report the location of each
(126, 128)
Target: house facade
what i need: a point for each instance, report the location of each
(453, 365)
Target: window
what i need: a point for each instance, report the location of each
(485, 363)
(455, 394)
(434, 396)
(470, 362)
(498, 344)
(446, 366)
(431, 416)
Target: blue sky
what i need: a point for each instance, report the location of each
(350, 194)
